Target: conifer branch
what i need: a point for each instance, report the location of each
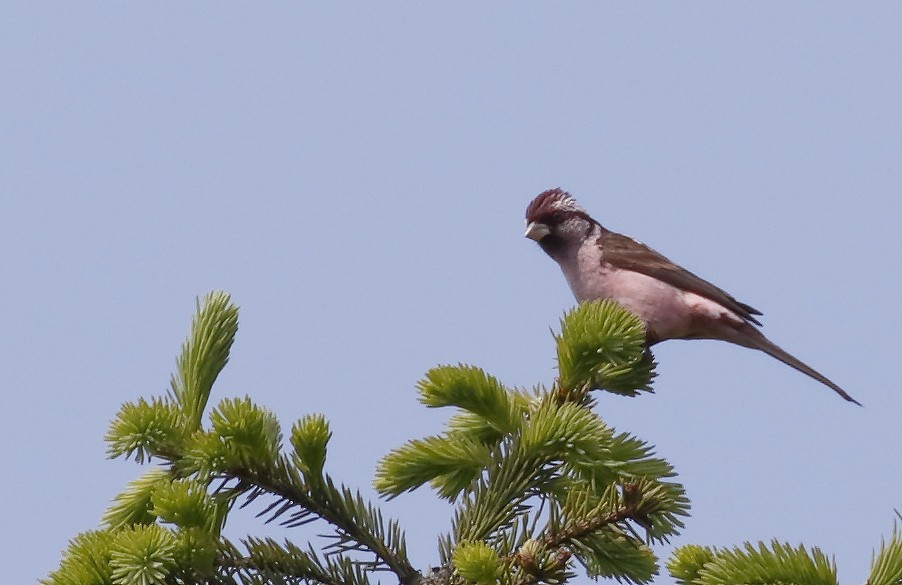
(577, 530)
(602, 346)
(204, 354)
(777, 563)
(886, 567)
(268, 561)
(540, 481)
(359, 525)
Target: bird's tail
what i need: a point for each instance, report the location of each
(757, 340)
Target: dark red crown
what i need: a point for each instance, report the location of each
(550, 203)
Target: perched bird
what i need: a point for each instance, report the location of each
(671, 301)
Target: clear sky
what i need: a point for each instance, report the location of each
(355, 175)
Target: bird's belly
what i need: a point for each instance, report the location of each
(663, 308)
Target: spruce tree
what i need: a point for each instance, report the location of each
(543, 489)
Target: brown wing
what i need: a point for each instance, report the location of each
(625, 252)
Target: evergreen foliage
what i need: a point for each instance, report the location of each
(779, 563)
(886, 568)
(543, 488)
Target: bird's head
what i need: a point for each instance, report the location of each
(557, 222)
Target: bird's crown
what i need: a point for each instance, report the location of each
(552, 202)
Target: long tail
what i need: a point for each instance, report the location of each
(759, 341)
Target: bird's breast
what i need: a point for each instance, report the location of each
(662, 307)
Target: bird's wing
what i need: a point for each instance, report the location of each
(626, 253)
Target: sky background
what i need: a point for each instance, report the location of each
(355, 175)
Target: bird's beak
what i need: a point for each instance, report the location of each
(536, 231)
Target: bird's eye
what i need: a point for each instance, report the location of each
(554, 218)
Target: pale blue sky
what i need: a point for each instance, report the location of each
(355, 176)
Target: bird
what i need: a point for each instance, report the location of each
(672, 302)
